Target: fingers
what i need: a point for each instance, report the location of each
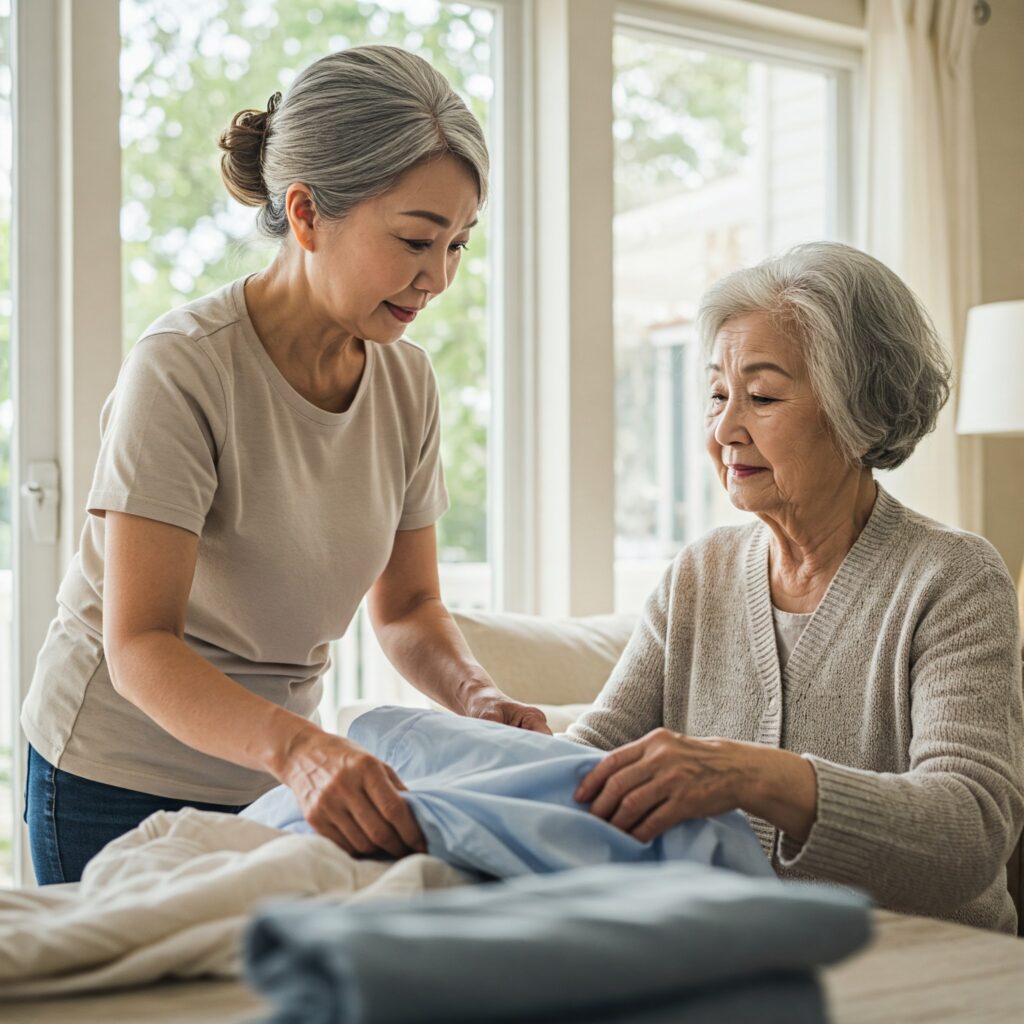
(376, 807)
(343, 831)
(661, 819)
(500, 709)
(393, 810)
(596, 778)
(533, 720)
(619, 788)
(374, 834)
(364, 814)
(637, 804)
(393, 777)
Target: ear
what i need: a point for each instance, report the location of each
(298, 204)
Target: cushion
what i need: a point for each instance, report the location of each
(546, 661)
(558, 665)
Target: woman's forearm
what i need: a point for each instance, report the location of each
(427, 648)
(780, 787)
(200, 706)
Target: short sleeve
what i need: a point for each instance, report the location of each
(161, 430)
(426, 498)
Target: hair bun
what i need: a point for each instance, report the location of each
(241, 166)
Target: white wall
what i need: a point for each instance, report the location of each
(998, 88)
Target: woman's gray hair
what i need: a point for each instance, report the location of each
(875, 362)
(349, 127)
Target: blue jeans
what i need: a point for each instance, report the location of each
(70, 819)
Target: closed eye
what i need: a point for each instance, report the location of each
(423, 244)
(717, 397)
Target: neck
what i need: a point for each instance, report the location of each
(810, 540)
(318, 358)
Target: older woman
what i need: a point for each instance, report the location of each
(846, 671)
(270, 454)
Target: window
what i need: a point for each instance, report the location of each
(7, 704)
(721, 159)
(187, 66)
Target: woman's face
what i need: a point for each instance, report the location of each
(766, 433)
(373, 270)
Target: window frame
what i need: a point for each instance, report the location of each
(820, 47)
(66, 297)
(832, 51)
(551, 496)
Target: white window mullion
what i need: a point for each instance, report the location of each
(574, 365)
(90, 242)
(511, 496)
(67, 298)
(34, 352)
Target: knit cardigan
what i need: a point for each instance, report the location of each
(904, 693)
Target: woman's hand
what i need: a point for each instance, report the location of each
(350, 796)
(486, 701)
(664, 778)
(648, 786)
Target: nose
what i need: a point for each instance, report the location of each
(730, 427)
(433, 276)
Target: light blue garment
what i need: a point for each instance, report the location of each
(640, 942)
(499, 801)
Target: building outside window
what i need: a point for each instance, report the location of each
(720, 160)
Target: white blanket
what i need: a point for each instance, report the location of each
(171, 897)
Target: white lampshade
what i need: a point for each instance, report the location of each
(992, 381)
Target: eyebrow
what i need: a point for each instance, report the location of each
(435, 218)
(751, 368)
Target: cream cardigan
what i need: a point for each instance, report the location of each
(904, 692)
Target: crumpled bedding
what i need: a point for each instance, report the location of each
(171, 899)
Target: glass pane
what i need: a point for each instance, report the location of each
(7, 694)
(187, 66)
(719, 161)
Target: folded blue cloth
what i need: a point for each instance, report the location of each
(499, 801)
(651, 942)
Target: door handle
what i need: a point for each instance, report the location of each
(42, 491)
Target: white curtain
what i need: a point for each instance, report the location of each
(920, 210)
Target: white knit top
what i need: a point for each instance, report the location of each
(904, 692)
(789, 627)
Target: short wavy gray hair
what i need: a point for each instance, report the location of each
(350, 125)
(875, 362)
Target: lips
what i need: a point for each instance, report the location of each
(739, 471)
(401, 313)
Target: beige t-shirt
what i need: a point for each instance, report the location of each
(296, 509)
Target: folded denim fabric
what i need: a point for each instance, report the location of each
(597, 943)
(499, 801)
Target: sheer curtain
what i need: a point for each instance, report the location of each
(920, 210)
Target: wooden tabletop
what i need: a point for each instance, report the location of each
(922, 970)
(915, 970)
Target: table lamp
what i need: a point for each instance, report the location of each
(992, 379)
